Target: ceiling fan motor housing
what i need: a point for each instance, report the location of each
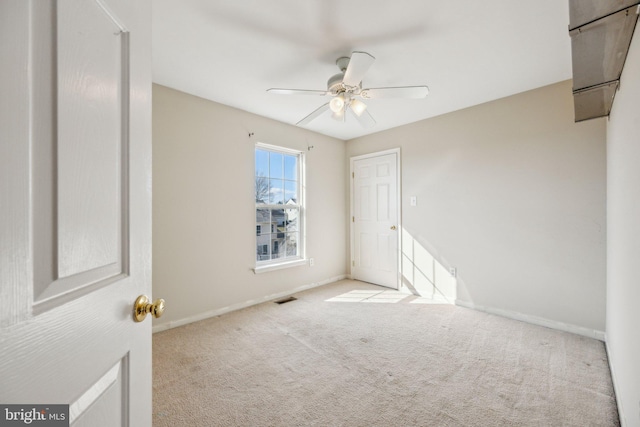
(334, 84)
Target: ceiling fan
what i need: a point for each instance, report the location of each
(346, 87)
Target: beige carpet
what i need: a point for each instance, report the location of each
(347, 354)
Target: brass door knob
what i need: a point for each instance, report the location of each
(142, 307)
(393, 227)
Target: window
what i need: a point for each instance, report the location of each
(279, 207)
(263, 252)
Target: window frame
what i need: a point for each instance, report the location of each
(285, 261)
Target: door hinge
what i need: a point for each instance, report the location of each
(353, 219)
(353, 174)
(353, 263)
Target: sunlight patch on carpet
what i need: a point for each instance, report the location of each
(375, 296)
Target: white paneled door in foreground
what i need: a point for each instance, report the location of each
(75, 210)
(375, 218)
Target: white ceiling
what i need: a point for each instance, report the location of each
(467, 51)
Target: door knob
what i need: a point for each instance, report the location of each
(142, 307)
(393, 227)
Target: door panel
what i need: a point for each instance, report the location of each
(102, 404)
(83, 214)
(364, 208)
(375, 219)
(90, 147)
(75, 159)
(382, 202)
(385, 253)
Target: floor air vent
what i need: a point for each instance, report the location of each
(287, 299)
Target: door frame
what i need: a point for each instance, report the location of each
(352, 160)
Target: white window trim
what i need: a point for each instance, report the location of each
(278, 264)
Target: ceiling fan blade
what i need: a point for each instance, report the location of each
(365, 119)
(395, 92)
(313, 115)
(297, 92)
(359, 64)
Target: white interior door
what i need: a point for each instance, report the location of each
(375, 228)
(75, 207)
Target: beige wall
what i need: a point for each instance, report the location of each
(512, 194)
(203, 207)
(623, 245)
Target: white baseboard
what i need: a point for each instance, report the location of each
(623, 420)
(241, 305)
(534, 320)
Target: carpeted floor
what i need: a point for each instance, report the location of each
(349, 354)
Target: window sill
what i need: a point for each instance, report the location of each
(280, 266)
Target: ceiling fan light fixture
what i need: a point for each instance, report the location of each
(358, 106)
(337, 104)
(338, 115)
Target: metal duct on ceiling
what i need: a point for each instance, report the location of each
(601, 32)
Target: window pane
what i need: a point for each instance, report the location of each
(263, 237)
(291, 167)
(262, 189)
(278, 219)
(290, 192)
(277, 246)
(262, 163)
(263, 218)
(291, 219)
(276, 191)
(262, 251)
(276, 165)
(292, 244)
